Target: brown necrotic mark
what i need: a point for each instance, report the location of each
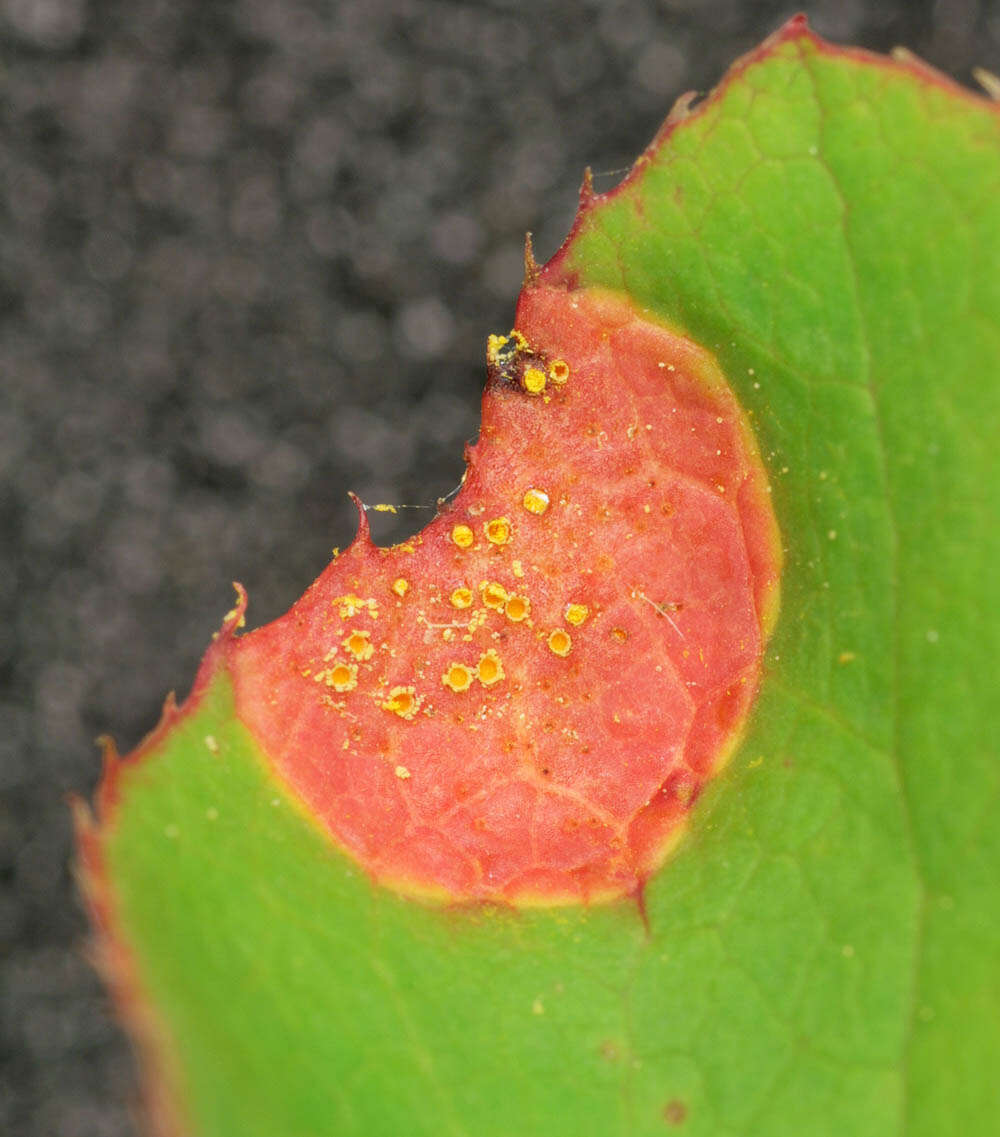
(512, 364)
(675, 1112)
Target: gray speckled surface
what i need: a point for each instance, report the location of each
(249, 254)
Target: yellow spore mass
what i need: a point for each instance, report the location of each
(535, 501)
(560, 642)
(458, 677)
(576, 614)
(462, 536)
(497, 531)
(559, 371)
(402, 701)
(489, 669)
(517, 608)
(494, 595)
(343, 677)
(359, 645)
(493, 345)
(461, 598)
(350, 605)
(534, 380)
(401, 586)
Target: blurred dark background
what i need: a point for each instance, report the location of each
(249, 255)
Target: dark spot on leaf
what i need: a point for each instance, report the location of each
(675, 1112)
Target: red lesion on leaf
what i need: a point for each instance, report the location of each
(576, 672)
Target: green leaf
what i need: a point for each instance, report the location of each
(820, 954)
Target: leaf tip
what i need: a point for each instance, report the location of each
(109, 751)
(920, 69)
(235, 618)
(679, 112)
(989, 82)
(587, 194)
(531, 269)
(363, 536)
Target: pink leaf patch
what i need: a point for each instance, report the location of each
(523, 702)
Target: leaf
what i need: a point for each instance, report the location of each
(819, 955)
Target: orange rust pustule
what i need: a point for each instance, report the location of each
(563, 769)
